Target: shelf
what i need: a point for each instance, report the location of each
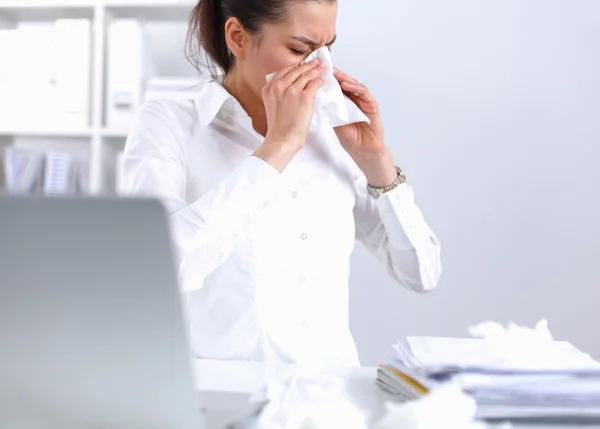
(43, 10)
(150, 10)
(29, 4)
(111, 133)
(45, 132)
(165, 42)
(114, 133)
(149, 3)
(40, 10)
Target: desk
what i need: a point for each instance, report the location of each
(226, 387)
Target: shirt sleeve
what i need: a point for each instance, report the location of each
(393, 228)
(204, 232)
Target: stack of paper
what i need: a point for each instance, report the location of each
(513, 374)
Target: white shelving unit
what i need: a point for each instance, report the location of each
(101, 142)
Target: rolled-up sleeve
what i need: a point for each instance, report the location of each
(394, 229)
(204, 231)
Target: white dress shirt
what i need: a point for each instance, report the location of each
(264, 257)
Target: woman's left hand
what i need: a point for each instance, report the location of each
(364, 142)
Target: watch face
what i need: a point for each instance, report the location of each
(372, 192)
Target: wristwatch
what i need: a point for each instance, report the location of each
(377, 192)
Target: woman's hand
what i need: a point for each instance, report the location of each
(289, 100)
(364, 142)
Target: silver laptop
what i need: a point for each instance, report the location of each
(92, 333)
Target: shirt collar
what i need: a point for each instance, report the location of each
(209, 101)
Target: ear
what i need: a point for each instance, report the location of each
(236, 37)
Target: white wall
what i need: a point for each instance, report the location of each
(493, 110)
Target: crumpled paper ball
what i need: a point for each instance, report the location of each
(522, 347)
(443, 408)
(309, 401)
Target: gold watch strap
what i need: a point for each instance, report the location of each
(377, 192)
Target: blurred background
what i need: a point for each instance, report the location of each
(492, 109)
(72, 74)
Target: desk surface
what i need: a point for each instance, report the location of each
(226, 387)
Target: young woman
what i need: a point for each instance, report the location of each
(265, 204)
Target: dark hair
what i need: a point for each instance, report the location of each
(207, 26)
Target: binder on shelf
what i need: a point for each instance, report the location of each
(24, 171)
(73, 72)
(50, 89)
(8, 93)
(125, 72)
(60, 175)
(30, 172)
(27, 88)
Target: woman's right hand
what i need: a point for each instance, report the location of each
(289, 100)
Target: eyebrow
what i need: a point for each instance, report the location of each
(312, 42)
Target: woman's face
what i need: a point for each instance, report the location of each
(310, 26)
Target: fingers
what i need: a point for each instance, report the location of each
(281, 74)
(352, 86)
(313, 86)
(307, 77)
(357, 90)
(343, 77)
(296, 72)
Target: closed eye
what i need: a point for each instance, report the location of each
(299, 52)
(314, 45)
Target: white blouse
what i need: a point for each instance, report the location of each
(263, 257)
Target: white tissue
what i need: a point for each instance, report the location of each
(331, 105)
(528, 348)
(443, 408)
(308, 402)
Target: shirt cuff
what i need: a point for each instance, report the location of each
(402, 218)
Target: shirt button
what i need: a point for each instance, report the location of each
(302, 279)
(303, 236)
(295, 194)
